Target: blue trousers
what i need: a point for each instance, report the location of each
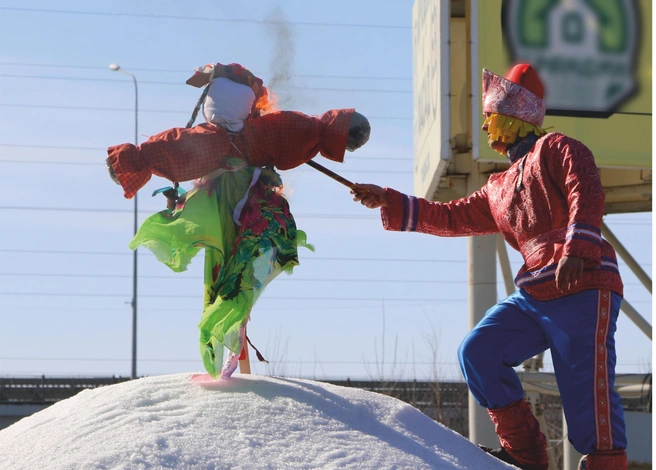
(579, 330)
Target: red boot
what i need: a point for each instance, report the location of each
(605, 460)
(519, 434)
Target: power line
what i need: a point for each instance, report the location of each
(297, 215)
(104, 149)
(314, 362)
(49, 307)
(286, 279)
(178, 296)
(151, 211)
(320, 299)
(61, 147)
(55, 162)
(185, 71)
(156, 111)
(319, 258)
(195, 278)
(205, 19)
(126, 253)
(151, 82)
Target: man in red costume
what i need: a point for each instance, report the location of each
(548, 205)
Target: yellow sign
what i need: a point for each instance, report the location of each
(594, 58)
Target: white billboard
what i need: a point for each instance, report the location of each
(431, 84)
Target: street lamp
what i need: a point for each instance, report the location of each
(116, 68)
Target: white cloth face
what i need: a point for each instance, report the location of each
(228, 104)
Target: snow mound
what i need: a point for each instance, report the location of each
(249, 422)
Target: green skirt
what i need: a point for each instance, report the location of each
(243, 222)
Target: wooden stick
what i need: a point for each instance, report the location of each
(330, 173)
(245, 363)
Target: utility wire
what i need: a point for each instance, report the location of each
(151, 211)
(313, 362)
(299, 216)
(157, 111)
(54, 162)
(263, 297)
(49, 308)
(340, 259)
(151, 82)
(141, 253)
(286, 279)
(205, 19)
(185, 71)
(126, 253)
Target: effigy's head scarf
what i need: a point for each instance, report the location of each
(514, 104)
(228, 104)
(212, 74)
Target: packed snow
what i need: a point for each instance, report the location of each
(189, 421)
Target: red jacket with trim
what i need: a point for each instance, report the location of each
(548, 204)
(285, 139)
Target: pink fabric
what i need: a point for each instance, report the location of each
(501, 96)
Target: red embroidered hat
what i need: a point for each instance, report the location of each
(520, 94)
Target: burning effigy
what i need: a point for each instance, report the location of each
(236, 210)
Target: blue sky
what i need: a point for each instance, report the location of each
(367, 304)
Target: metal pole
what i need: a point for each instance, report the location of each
(133, 375)
(636, 318)
(136, 227)
(571, 456)
(626, 256)
(482, 296)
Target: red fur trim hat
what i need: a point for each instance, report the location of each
(520, 94)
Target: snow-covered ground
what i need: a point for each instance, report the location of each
(249, 422)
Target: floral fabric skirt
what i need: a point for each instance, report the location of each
(249, 235)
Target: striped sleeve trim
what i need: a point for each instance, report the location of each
(609, 264)
(536, 277)
(548, 273)
(416, 215)
(584, 232)
(410, 214)
(581, 226)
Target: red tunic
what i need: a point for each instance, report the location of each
(548, 204)
(285, 139)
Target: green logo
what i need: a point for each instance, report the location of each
(584, 51)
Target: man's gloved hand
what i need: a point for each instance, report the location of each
(358, 132)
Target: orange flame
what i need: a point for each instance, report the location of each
(285, 191)
(267, 103)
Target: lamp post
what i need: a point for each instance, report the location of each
(116, 68)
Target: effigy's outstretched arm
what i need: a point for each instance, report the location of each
(178, 154)
(287, 139)
(284, 139)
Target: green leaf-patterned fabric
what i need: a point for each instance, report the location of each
(241, 258)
